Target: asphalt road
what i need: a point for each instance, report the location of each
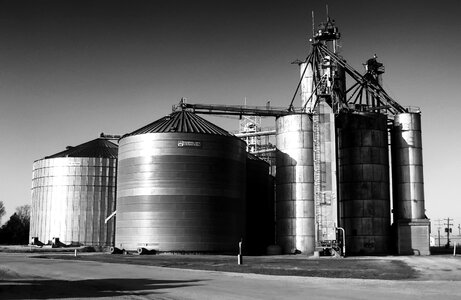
(24, 277)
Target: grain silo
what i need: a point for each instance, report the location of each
(181, 187)
(364, 191)
(73, 191)
(410, 220)
(295, 210)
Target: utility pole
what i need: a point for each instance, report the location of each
(459, 229)
(439, 225)
(448, 230)
(439, 235)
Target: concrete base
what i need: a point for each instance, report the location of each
(413, 237)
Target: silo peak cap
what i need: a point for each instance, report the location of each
(181, 122)
(100, 147)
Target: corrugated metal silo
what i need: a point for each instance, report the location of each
(364, 192)
(408, 185)
(260, 222)
(73, 192)
(407, 165)
(308, 97)
(295, 210)
(181, 187)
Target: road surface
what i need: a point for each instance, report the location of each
(24, 277)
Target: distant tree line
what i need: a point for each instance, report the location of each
(16, 230)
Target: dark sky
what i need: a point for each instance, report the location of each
(72, 69)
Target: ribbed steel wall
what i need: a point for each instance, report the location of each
(295, 211)
(308, 98)
(364, 192)
(71, 197)
(260, 207)
(407, 167)
(181, 192)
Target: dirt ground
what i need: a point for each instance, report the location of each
(435, 267)
(27, 276)
(385, 268)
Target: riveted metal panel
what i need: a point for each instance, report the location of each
(181, 191)
(364, 191)
(295, 211)
(67, 201)
(407, 167)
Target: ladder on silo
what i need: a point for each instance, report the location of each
(317, 174)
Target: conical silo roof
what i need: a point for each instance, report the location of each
(182, 122)
(96, 148)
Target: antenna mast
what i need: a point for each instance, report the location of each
(313, 25)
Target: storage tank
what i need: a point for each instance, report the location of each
(295, 211)
(407, 166)
(364, 191)
(73, 191)
(408, 185)
(181, 187)
(308, 97)
(260, 211)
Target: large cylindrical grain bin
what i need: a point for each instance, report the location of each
(295, 210)
(407, 167)
(181, 187)
(260, 209)
(410, 221)
(308, 97)
(73, 192)
(364, 191)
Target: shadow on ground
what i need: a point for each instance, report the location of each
(91, 288)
